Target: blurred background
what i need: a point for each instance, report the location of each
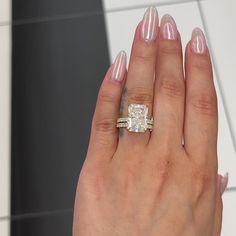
(53, 56)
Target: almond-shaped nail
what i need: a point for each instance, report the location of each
(119, 66)
(168, 28)
(224, 183)
(150, 24)
(198, 41)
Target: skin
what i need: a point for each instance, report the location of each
(150, 183)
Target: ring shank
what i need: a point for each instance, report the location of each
(123, 122)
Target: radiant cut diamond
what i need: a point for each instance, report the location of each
(137, 121)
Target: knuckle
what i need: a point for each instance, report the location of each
(91, 172)
(202, 179)
(143, 53)
(139, 95)
(126, 178)
(169, 49)
(93, 184)
(171, 86)
(166, 147)
(105, 125)
(106, 96)
(163, 169)
(202, 64)
(205, 104)
(129, 180)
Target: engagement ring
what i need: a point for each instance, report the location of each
(137, 120)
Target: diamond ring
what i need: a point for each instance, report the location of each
(137, 120)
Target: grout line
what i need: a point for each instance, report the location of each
(90, 13)
(55, 18)
(36, 214)
(230, 189)
(154, 3)
(225, 107)
(5, 23)
(140, 6)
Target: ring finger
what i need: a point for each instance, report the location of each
(141, 72)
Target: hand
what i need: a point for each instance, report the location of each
(162, 182)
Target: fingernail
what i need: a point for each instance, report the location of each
(224, 183)
(198, 41)
(168, 28)
(150, 24)
(119, 66)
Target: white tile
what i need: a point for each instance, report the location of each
(121, 25)
(120, 29)
(117, 4)
(220, 21)
(4, 228)
(5, 78)
(226, 154)
(5, 11)
(229, 214)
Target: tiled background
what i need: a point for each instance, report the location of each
(50, 72)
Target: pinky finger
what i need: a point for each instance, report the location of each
(104, 134)
(222, 182)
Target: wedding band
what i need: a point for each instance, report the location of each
(137, 120)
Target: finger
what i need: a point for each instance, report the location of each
(200, 130)
(139, 83)
(104, 134)
(221, 186)
(169, 86)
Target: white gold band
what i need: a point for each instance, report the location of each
(126, 125)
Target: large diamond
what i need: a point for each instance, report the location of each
(137, 118)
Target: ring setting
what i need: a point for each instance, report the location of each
(137, 120)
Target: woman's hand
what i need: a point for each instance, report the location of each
(164, 182)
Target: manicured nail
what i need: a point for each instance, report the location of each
(224, 183)
(168, 28)
(198, 41)
(150, 24)
(119, 66)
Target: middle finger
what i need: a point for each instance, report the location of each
(169, 87)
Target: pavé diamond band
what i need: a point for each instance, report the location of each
(137, 120)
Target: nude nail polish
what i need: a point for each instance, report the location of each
(198, 41)
(119, 66)
(150, 23)
(224, 183)
(168, 28)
